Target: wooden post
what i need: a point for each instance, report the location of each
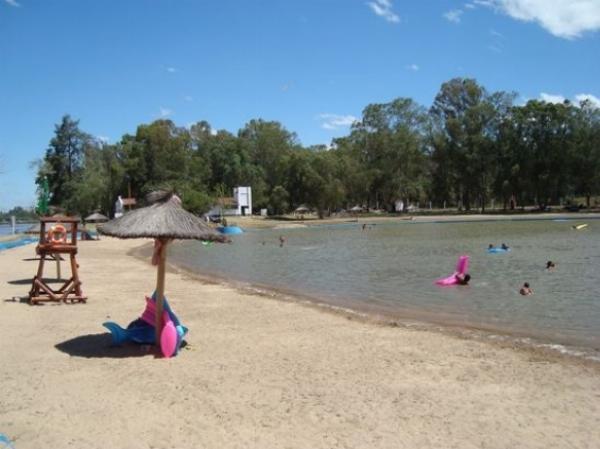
(57, 258)
(160, 290)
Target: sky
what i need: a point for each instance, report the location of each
(312, 65)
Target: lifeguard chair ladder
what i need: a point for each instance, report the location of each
(50, 248)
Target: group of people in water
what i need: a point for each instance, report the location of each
(464, 278)
(504, 246)
(525, 290)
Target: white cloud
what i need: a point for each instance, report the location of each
(595, 101)
(552, 98)
(577, 99)
(413, 67)
(285, 87)
(469, 6)
(335, 121)
(165, 112)
(171, 69)
(103, 139)
(453, 15)
(568, 19)
(12, 3)
(383, 8)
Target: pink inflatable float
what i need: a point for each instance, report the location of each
(168, 337)
(462, 265)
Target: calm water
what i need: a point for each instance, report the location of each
(390, 270)
(7, 229)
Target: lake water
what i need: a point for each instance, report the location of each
(389, 270)
(6, 229)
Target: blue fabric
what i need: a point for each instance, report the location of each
(138, 331)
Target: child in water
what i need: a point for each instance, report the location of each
(550, 265)
(526, 290)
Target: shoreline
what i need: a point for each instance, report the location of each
(404, 317)
(259, 373)
(254, 222)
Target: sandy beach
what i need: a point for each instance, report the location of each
(263, 373)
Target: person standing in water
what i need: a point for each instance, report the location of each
(526, 290)
(282, 241)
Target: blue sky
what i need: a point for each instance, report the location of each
(313, 65)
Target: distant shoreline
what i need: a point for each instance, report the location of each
(261, 222)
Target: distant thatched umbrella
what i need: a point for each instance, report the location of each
(163, 221)
(302, 209)
(33, 229)
(96, 217)
(356, 209)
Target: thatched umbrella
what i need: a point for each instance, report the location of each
(302, 209)
(33, 229)
(96, 217)
(164, 220)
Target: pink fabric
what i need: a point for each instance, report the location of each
(168, 337)
(462, 265)
(149, 313)
(450, 280)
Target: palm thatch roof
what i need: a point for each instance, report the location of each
(302, 209)
(165, 218)
(96, 217)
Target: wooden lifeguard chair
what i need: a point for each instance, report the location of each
(54, 241)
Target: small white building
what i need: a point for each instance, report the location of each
(243, 198)
(239, 204)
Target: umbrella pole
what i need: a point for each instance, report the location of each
(160, 290)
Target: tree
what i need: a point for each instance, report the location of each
(586, 150)
(540, 137)
(63, 158)
(467, 117)
(388, 144)
(279, 200)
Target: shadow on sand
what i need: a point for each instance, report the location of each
(18, 299)
(28, 281)
(100, 346)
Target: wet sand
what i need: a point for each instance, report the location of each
(264, 373)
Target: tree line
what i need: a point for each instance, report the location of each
(470, 147)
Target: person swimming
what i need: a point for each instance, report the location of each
(550, 265)
(504, 246)
(526, 290)
(463, 279)
(491, 246)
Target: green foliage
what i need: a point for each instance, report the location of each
(64, 158)
(197, 202)
(19, 213)
(471, 147)
(279, 200)
(43, 198)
